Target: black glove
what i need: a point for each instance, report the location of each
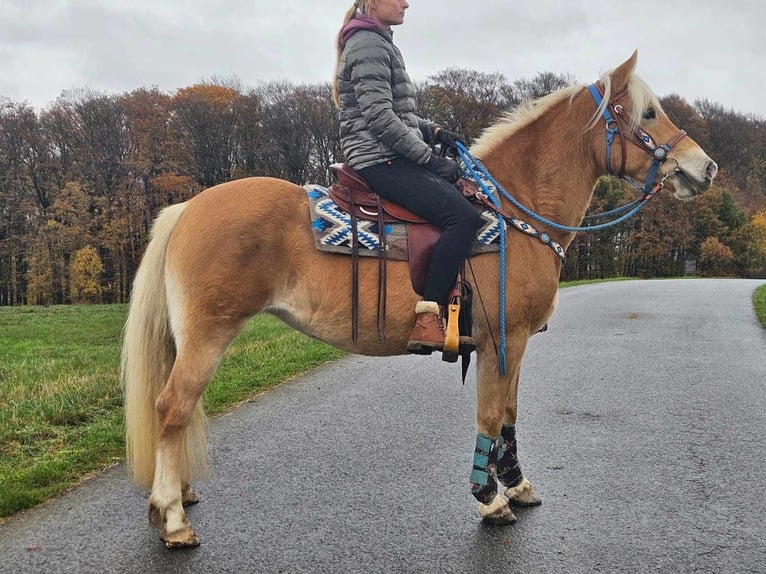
(448, 139)
(428, 135)
(443, 167)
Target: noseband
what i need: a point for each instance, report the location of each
(613, 114)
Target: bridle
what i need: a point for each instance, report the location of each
(614, 115)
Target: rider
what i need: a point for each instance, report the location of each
(384, 140)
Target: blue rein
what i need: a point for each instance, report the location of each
(473, 166)
(481, 176)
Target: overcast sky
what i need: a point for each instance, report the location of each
(712, 49)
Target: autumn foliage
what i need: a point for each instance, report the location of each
(82, 180)
(85, 276)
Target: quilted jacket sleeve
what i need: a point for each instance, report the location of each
(371, 67)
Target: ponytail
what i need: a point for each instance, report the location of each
(350, 13)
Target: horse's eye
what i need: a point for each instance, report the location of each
(650, 114)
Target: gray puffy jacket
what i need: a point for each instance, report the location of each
(377, 103)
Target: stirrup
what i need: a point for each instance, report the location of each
(451, 349)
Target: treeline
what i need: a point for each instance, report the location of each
(81, 181)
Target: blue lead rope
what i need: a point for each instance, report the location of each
(472, 167)
(467, 158)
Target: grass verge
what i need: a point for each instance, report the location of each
(60, 396)
(759, 303)
(564, 284)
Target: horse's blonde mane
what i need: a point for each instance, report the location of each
(524, 114)
(529, 111)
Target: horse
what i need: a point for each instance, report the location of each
(246, 247)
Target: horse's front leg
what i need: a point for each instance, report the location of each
(493, 393)
(519, 490)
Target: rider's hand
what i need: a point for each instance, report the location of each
(447, 138)
(444, 167)
(428, 135)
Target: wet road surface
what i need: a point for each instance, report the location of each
(642, 425)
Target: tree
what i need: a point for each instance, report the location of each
(26, 194)
(148, 114)
(687, 118)
(658, 239)
(249, 138)
(738, 144)
(758, 226)
(748, 243)
(320, 119)
(288, 150)
(93, 170)
(39, 271)
(758, 221)
(542, 84)
(465, 101)
(102, 144)
(205, 117)
(715, 260)
(601, 253)
(84, 276)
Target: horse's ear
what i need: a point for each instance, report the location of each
(623, 72)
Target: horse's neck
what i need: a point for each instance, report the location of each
(547, 166)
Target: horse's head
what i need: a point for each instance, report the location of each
(642, 144)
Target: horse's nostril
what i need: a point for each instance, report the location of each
(712, 170)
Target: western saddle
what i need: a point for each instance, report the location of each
(352, 194)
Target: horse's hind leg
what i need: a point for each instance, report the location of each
(519, 490)
(197, 357)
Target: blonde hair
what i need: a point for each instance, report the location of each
(362, 6)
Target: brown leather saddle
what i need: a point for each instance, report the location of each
(353, 195)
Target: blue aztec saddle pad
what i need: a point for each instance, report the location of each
(332, 230)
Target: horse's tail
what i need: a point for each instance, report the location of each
(148, 353)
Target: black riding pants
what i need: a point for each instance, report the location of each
(436, 200)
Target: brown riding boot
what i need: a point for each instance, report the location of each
(428, 334)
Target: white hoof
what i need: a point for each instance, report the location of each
(497, 511)
(523, 494)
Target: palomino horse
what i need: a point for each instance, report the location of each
(246, 247)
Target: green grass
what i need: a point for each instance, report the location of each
(759, 302)
(564, 284)
(60, 397)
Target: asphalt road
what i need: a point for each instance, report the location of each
(642, 425)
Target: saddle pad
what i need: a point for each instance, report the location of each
(332, 230)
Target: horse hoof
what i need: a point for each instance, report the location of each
(497, 512)
(523, 494)
(188, 496)
(156, 519)
(180, 540)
